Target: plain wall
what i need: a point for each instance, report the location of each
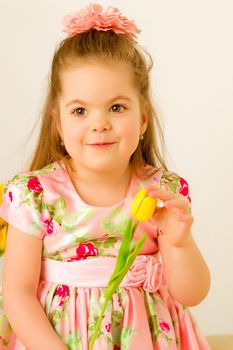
(191, 44)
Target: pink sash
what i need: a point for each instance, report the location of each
(146, 272)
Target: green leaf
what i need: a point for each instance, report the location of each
(115, 222)
(74, 341)
(124, 249)
(116, 318)
(23, 179)
(124, 261)
(154, 328)
(80, 239)
(60, 204)
(69, 222)
(27, 201)
(97, 243)
(56, 256)
(116, 279)
(58, 218)
(38, 204)
(110, 242)
(116, 315)
(49, 207)
(55, 317)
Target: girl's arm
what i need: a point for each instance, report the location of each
(186, 272)
(21, 273)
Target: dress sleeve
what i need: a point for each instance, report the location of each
(177, 184)
(22, 205)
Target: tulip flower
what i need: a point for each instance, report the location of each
(1, 192)
(142, 209)
(143, 206)
(3, 227)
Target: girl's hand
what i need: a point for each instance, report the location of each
(173, 220)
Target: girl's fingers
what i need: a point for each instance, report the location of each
(160, 193)
(170, 200)
(181, 203)
(188, 219)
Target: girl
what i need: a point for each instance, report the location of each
(66, 215)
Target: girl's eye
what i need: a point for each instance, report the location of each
(79, 111)
(118, 108)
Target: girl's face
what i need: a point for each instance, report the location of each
(100, 116)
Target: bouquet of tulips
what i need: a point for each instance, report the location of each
(142, 209)
(3, 227)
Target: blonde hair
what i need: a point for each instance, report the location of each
(100, 45)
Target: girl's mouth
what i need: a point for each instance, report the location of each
(101, 144)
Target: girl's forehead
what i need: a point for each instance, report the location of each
(96, 77)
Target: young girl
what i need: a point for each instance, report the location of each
(98, 146)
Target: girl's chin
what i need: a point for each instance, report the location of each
(99, 167)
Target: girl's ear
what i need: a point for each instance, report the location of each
(144, 123)
(144, 120)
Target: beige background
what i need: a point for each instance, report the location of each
(191, 43)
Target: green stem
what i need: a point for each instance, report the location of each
(96, 329)
(112, 285)
(135, 227)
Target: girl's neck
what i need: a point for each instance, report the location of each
(101, 188)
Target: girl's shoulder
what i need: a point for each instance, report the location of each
(31, 179)
(24, 203)
(166, 179)
(175, 183)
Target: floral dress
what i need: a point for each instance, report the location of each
(80, 245)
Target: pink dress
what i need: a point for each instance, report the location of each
(80, 245)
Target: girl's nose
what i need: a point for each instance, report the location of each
(101, 124)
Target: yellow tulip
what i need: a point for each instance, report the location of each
(3, 225)
(3, 230)
(2, 222)
(142, 206)
(1, 192)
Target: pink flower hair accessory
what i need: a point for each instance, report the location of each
(93, 17)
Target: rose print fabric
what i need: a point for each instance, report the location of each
(80, 245)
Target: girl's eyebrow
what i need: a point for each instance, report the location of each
(119, 97)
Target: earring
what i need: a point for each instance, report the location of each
(141, 137)
(62, 143)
